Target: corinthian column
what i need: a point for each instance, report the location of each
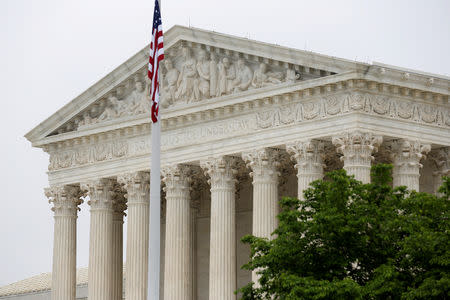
(441, 158)
(308, 156)
(357, 148)
(222, 258)
(137, 186)
(100, 276)
(263, 163)
(406, 156)
(178, 263)
(117, 245)
(65, 200)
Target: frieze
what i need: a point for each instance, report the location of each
(354, 102)
(275, 116)
(88, 154)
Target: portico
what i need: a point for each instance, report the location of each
(231, 147)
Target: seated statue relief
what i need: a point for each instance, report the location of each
(169, 87)
(262, 78)
(110, 111)
(244, 76)
(139, 104)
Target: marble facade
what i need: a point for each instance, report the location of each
(243, 123)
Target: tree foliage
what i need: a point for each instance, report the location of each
(349, 240)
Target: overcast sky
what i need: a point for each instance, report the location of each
(52, 50)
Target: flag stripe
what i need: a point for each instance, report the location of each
(156, 55)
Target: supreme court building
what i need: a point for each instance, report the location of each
(243, 124)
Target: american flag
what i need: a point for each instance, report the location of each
(156, 55)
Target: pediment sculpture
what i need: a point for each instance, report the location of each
(135, 102)
(188, 79)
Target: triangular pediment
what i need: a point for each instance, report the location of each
(199, 67)
(228, 65)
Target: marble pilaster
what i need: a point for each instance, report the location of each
(357, 148)
(137, 186)
(406, 156)
(65, 201)
(308, 156)
(178, 246)
(222, 262)
(100, 278)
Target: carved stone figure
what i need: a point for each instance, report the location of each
(262, 78)
(134, 100)
(170, 84)
(110, 111)
(141, 103)
(185, 83)
(213, 75)
(244, 77)
(203, 69)
(86, 120)
(227, 74)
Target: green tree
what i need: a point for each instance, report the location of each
(349, 240)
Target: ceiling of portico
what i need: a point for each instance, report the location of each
(201, 68)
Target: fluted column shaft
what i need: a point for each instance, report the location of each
(137, 186)
(65, 200)
(357, 148)
(100, 278)
(222, 259)
(178, 246)
(308, 156)
(263, 163)
(406, 156)
(117, 246)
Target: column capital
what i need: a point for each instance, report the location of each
(308, 155)
(65, 199)
(357, 142)
(137, 186)
(406, 155)
(176, 175)
(120, 203)
(221, 171)
(357, 148)
(263, 162)
(306, 151)
(101, 193)
(131, 179)
(404, 151)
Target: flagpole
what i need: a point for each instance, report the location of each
(154, 259)
(155, 215)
